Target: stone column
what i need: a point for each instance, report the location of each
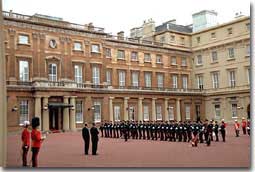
(110, 109)
(126, 108)
(178, 110)
(38, 110)
(45, 114)
(66, 115)
(140, 109)
(72, 114)
(153, 109)
(166, 109)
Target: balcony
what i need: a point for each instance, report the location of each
(227, 89)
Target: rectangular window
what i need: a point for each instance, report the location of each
(23, 71)
(147, 57)
(187, 112)
(134, 56)
(248, 27)
(23, 111)
(199, 60)
(214, 56)
(248, 50)
(175, 81)
(135, 81)
(182, 40)
(77, 46)
(234, 110)
(108, 77)
(78, 74)
(217, 111)
(116, 113)
(95, 48)
(184, 81)
(172, 38)
(200, 84)
(198, 40)
(160, 80)
(230, 31)
(23, 39)
(122, 78)
(52, 72)
(159, 112)
(248, 75)
(108, 52)
(232, 79)
(95, 75)
(131, 113)
(184, 61)
(121, 54)
(147, 79)
(159, 59)
(146, 113)
(231, 53)
(162, 39)
(78, 112)
(213, 35)
(171, 113)
(215, 79)
(97, 111)
(173, 60)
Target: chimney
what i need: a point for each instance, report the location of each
(120, 35)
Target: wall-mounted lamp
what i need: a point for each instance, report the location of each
(92, 108)
(45, 107)
(14, 109)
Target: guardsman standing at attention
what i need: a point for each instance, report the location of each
(114, 128)
(144, 130)
(118, 129)
(102, 129)
(237, 125)
(94, 138)
(25, 137)
(244, 125)
(216, 130)
(148, 130)
(223, 130)
(105, 129)
(140, 127)
(86, 138)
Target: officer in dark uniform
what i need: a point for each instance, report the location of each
(140, 128)
(144, 129)
(111, 129)
(206, 131)
(118, 129)
(162, 130)
(185, 128)
(223, 131)
(216, 130)
(102, 129)
(171, 131)
(128, 129)
(157, 130)
(210, 129)
(105, 129)
(136, 130)
(189, 131)
(125, 130)
(175, 132)
(148, 130)
(201, 131)
(166, 131)
(94, 138)
(86, 138)
(121, 128)
(153, 128)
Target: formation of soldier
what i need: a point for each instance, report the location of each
(182, 131)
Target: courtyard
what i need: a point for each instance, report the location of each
(66, 150)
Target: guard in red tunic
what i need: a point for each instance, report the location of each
(36, 141)
(237, 125)
(25, 137)
(244, 125)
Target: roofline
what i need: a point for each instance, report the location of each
(208, 11)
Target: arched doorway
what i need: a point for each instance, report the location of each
(248, 111)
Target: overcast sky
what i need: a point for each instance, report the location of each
(117, 15)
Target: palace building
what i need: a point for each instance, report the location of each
(67, 74)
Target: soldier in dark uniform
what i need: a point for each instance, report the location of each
(148, 130)
(153, 127)
(121, 128)
(125, 130)
(162, 130)
(128, 129)
(86, 138)
(140, 127)
(114, 130)
(201, 131)
(105, 129)
(223, 130)
(180, 131)
(144, 129)
(94, 138)
(118, 129)
(206, 132)
(210, 130)
(185, 128)
(111, 129)
(136, 130)
(175, 132)
(102, 129)
(157, 130)
(189, 131)
(166, 131)
(171, 131)
(216, 130)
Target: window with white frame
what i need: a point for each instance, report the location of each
(97, 111)
(159, 112)
(187, 111)
(96, 75)
(200, 84)
(108, 52)
(199, 60)
(159, 59)
(217, 111)
(147, 76)
(23, 71)
(171, 112)
(78, 74)
(184, 61)
(184, 81)
(145, 112)
(23, 111)
(78, 112)
(134, 56)
(23, 39)
(122, 78)
(95, 48)
(234, 110)
(131, 113)
(109, 77)
(248, 50)
(121, 54)
(175, 81)
(215, 79)
(52, 72)
(77, 46)
(116, 113)
(147, 57)
(231, 53)
(214, 56)
(135, 80)
(160, 80)
(173, 60)
(232, 78)
(182, 40)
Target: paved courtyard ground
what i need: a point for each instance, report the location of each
(66, 150)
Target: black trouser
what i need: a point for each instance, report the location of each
(223, 134)
(248, 131)
(216, 135)
(237, 133)
(125, 135)
(211, 135)
(94, 146)
(189, 136)
(117, 131)
(161, 135)
(185, 136)
(35, 152)
(24, 155)
(166, 135)
(206, 136)
(201, 137)
(179, 136)
(174, 136)
(102, 133)
(244, 130)
(86, 147)
(105, 133)
(143, 133)
(140, 133)
(148, 134)
(114, 133)
(110, 132)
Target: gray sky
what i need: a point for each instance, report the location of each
(117, 15)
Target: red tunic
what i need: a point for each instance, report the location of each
(36, 138)
(25, 137)
(237, 125)
(244, 124)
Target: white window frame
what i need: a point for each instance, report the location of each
(134, 56)
(108, 77)
(131, 113)
(77, 46)
(121, 54)
(215, 80)
(147, 77)
(108, 52)
(78, 74)
(135, 79)
(23, 70)
(53, 73)
(234, 110)
(95, 48)
(200, 81)
(248, 75)
(175, 81)
(232, 78)
(23, 39)
(171, 112)
(184, 81)
(116, 113)
(122, 78)
(97, 115)
(199, 60)
(187, 112)
(159, 59)
(79, 112)
(146, 115)
(173, 60)
(231, 53)
(147, 57)
(160, 80)
(23, 111)
(96, 75)
(214, 56)
(184, 61)
(158, 112)
(217, 111)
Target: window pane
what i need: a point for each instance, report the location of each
(79, 113)
(171, 113)
(96, 75)
(78, 73)
(97, 112)
(116, 113)
(160, 79)
(23, 111)
(95, 48)
(77, 46)
(187, 111)
(135, 82)
(159, 112)
(145, 112)
(23, 39)
(23, 71)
